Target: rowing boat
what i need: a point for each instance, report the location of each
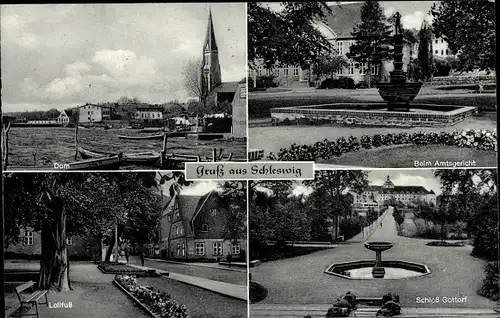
(156, 136)
(104, 163)
(146, 157)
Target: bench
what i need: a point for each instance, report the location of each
(30, 299)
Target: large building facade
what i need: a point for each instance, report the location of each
(338, 29)
(91, 113)
(374, 196)
(192, 227)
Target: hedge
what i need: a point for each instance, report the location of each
(158, 302)
(489, 287)
(477, 139)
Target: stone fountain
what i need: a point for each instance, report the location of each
(378, 270)
(398, 93)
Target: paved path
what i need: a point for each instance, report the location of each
(238, 277)
(284, 311)
(93, 295)
(301, 280)
(227, 289)
(207, 265)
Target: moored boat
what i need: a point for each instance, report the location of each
(104, 163)
(155, 136)
(146, 157)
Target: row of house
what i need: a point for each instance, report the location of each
(338, 28)
(191, 227)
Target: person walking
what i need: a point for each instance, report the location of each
(126, 254)
(142, 258)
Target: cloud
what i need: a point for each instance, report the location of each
(77, 68)
(414, 20)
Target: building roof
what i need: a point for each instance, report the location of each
(189, 206)
(152, 108)
(95, 105)
(344, 18)
(399, 189)
(226, 87)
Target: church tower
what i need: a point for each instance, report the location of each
(210, 68)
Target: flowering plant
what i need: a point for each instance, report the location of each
(158, 302)
(476, 139)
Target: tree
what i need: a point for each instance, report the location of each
(469, 29)
(333, 185)
(373, 38)
(192, 79)
(63, 204)
(288, 37)
(234, 203)
(329, 65)
(124, 100)
(51, 113)
(425, 62)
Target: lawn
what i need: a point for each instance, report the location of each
(405, 156)
(273, 253)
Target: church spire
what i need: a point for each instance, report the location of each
(210, 43)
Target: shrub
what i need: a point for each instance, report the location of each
(326, 149)
(346, 82)
(257, 292)
(158, 302)
(341, 82)
(350, 227)
(489, 287)
(427, 229)
(443, 67)
(446, 244)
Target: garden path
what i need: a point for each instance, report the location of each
(301, 280)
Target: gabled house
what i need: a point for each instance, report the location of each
(192, 227)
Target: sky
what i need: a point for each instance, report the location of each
(424, 178)
(64, 55)
(412, 13)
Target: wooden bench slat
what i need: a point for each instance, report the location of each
(35, 296)
(24, 286)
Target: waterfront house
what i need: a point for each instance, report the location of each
(63, 118)
(149, 113)
(92, 113)
(192, 227)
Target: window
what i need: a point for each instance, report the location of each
(340, 71)
(28, 238)
(204, 227)
(442, 52)
(217, 248)
(200, 248)
(436, 51)
(340, 47)
(442, 40)
(260, 67)
(350, 69)
(374, 69)
(177, 230)
(178, 249)
(236, 249)
(181, 230)
(183, 249)
(447, 52)
(169, 217)
(285, 72)
(362, 68)
(177, 214)
(69, 241)
(436, 41)
(278, 72)
(295, 71)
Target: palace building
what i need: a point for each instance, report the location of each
(373, 196)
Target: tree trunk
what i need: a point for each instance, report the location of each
(109, 251)
(54, 263)
(443, 231)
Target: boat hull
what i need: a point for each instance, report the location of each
(159, 136)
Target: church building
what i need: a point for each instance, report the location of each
(213, 90)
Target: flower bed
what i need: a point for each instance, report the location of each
(157, 302)
(125, 270)
(326, 149)
(446, 244)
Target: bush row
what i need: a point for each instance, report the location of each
(470, 79)
(326, 149)
(158, 302)
(489, 287)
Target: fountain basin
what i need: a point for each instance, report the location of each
(378, 246)
(372, 114)
(398, 94)
(363, 269)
